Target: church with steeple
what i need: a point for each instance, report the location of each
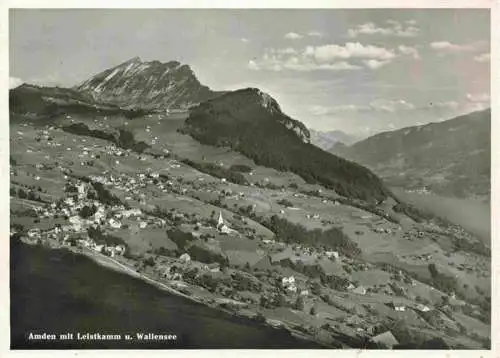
(222, 227)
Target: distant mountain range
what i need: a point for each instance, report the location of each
(147, 85)
(327, 140)
(252, 123)
(450, 158)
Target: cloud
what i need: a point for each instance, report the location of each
(315, 34)
(395, 28)
(319, 110)
(445, 104)
(469, 103)
(334, 57)
(244, 40)
(411, 51)
(253, 65)
(484, 57)
(15, 82)
(375, 64)
(478, 97)
(282, 51)
(386, 105)
(378, 105)
(448, 47)
(48, 80)
(293, 36)
(476, 102)
(327, 53)
(296, 64)
(311, 58)
(276, 62)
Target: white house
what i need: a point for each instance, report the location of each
(115, 224)
(131, 212)
(285, 281)
(120, 249)
(331, 254)
(77, 222)
(143, 224)
(110, 250)
(422, 308)
(399, 308)
(99, 215)
(81, 189)
(32, 233)
(360, 290)
(185, 257)
(98, 248)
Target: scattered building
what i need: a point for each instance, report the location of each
(331, 254)
(360, 290)
(422, 308)
(115, 224)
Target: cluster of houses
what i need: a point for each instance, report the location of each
(314, 216)
(103, 216)
(175, 270)
(68, 238)
(290, 285)
(110, 250)
(315, 253)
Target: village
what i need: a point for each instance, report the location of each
(96, 213)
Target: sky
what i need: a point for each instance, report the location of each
(361, 71)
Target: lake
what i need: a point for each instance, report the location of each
(473, 215)
(57, 292)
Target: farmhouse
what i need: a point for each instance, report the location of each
(331, 254)
(185, 257)
(115, 224)
(360, 290)
(422, 308)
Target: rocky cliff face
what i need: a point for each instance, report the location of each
(149, 85)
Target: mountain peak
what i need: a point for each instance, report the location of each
(148, 85)
(264, 99)
(135, 59)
